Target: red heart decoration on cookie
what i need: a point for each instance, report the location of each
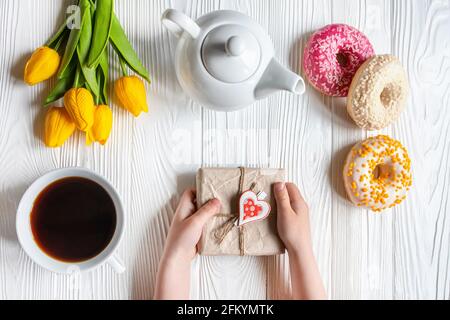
(251, 208)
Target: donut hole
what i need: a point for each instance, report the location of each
(382, 172)
(376, 172)
(342, 59)
(390, 94)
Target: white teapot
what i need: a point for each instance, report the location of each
(225, 60)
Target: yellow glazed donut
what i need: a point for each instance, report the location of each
(377, 173)
(378, 92)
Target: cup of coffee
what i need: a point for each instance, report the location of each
(71, 219)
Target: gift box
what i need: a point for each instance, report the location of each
(224, 234)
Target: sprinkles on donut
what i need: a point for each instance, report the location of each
(378, 92)
(377, 173)
(332, 56)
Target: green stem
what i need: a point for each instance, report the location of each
(58, 43)
(77, 77)
(56, 47)
(97, 100)
(123, 66)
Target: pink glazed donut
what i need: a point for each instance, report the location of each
(332, 56)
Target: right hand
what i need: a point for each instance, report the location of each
(186, 228)
(294, 231)
(292, 218)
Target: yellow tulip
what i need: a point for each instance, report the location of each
(43, 64)
(102, 125)
(58, 127)
(79, 104)
(130, 93)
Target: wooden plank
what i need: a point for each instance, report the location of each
(421, 257)
(377, 275)
(348, 229)
(226, 143)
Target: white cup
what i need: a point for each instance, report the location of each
(25, 234)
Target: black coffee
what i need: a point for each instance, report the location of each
(73, 219)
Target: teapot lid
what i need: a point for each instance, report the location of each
(231, 53)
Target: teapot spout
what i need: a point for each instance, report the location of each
(276, 77)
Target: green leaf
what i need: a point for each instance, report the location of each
(71, 46)
(83, 49)
(123, 47)
(84, 41)
(102, 26)
(70, 68)
(64, 83)
(58, 91)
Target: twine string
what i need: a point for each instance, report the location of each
(222, 231)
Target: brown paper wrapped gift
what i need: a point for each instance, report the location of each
(220, 235)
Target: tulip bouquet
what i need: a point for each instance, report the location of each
(82, 75)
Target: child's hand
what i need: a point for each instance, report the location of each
(292, 218)
(293, 227)
(187, 225)
(172, 281)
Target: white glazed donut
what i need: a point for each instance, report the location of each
(378, 92)
(377, 173)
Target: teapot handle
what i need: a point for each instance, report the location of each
(177, 23)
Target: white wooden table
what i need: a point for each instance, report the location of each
(400, 254)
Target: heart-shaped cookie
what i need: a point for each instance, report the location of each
(252, 208)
